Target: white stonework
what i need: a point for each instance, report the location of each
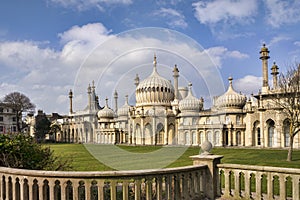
(166, 114)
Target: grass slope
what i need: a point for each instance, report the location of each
(83, 160)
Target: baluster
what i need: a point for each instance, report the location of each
(51, 184)
(63, 187)
(40, 188)
(237, 188)
(6, 188)
(87, 187)
(168, 182)
(100, 184)
(177, 186)
(159, 187)
(247, 176)
(137, 189)
(13, 188)
(75, 185)
(282, 191)
(227, 183)
(295, 187)
(184, 189)
(21, 182)
(125, 189)
(149, 189)
(192, 184)
(258, 185)
(270, 186)
(30, 185)
(196, 180)
(113, 191)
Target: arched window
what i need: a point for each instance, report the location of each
(286, 132)
(271, 134)
(238, 138)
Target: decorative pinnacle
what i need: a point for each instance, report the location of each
(230, 80)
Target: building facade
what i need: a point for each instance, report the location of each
(8, 120)
(166, 114)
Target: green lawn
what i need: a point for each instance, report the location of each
(83, 160)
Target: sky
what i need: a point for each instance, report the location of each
(48, 47)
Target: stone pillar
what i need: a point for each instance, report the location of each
(212, 182)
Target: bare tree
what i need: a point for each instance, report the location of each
(287, 99)
(19, 103)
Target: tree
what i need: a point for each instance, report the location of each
(287, 99)
(19, 103)
(42, 126)
(22, 151)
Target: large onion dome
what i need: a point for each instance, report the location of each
(123, 111)
(106, 112)
(154, 90)
(190, 103)
(231, 99)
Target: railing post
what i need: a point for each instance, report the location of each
(51, 184)
(247, 185)
(282, 191)
(100, 184)
(159, 180)
(137, 189)
(149, 188)
(295, 187)
(212, 176)
(168, 182)
(113, 191)
(40, 188)
(258, 185)
(125, 189)
(270, 186)
(237, 188)
(227, 183)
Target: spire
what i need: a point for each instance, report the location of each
(136, 80)
(264, 56)
(176, 75)
(71, 101)
(126, 100)
(230, 81)
(116, 101)
(106, 102)
(154, 63)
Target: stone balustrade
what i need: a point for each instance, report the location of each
(258, 182)
(170, 183)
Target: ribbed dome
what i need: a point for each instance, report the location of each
(154, 90)
(190, 103)
(231, 98)
(106, 112)
(123, 111)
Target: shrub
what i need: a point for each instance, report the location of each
(22, 151)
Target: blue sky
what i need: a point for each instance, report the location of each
(48, 47)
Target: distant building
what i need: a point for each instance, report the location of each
(165, 114)
(8, 120)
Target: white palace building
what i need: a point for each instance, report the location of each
(165, 114)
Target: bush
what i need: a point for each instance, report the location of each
(22, 151)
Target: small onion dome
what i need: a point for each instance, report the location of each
(231, 99)
(106, 112)
(190, 103)
(154, 89)
(123, 111)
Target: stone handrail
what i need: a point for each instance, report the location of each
(259, 182)
(170, 183)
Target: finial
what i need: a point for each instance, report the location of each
(116, 94)
(70, 94)
(106, 102)
(126, 99)
(154, 61)
(136, 80)
(89, 88)
(230, 80)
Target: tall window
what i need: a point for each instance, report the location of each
(1, 119)
(238, 120)
(258, 136)
(286, 132)
(238, 138)
(271, 128)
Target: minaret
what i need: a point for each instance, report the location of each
(264, 56)
(136, 80)
(274, 73)
(176, 75)
(93, 96)
(89, 97)
(116, 101)
(71, 101)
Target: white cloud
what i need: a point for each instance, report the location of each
(282, 12)
(175, 19)
(278, 39)
(297, 43)
(228, 11)
(91, 52)
(248, 84)
(219, 53)
(82, 5)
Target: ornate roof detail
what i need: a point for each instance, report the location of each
(123, 111)
(231, 99)
(154, 89)
(106, 112)
(190, 102)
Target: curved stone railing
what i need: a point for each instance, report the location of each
(171, 183)
(258, 182)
